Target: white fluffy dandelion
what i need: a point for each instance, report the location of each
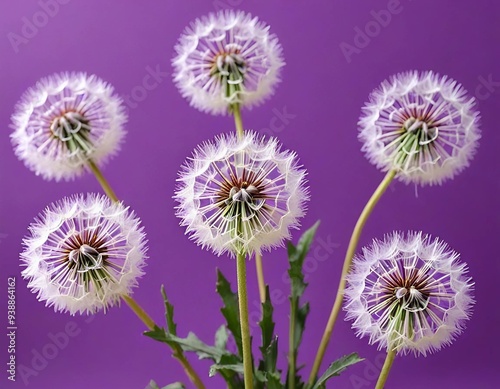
(409, 294)
(227, 58)
(422, 125)
(241, 196)
(83, 253)
(64, 121)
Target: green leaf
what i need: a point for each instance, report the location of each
(267, 324)
(230, 310)
(219, 353)
(158, 334)
(223, 358)
(191, 343)
(296, 257)
(269, 348)
(204, 351)
(270, 357)
(298, 312)
(169, 313)
(336, 368)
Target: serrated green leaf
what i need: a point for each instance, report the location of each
(296, 257)
(267, 324)
(298, 312)
(302, 248)
(221, 337)
(169, 313)
(158, 334)
(230, 310)
(336, 368)
(267, 376)
(203, 350)
(191, 343)
(218, 354)
(270, 355)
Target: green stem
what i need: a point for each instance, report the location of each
(237, 121)
(389, 359)
(141, 314)
(370, 205)
(104, 183)
(245, 328)
(292, 356)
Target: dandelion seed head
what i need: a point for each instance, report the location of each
(422, 125)
(409, 293)
(83, 253)
(227, 58)
(64, 121)
(241, 196)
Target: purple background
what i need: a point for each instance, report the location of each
(119, 40)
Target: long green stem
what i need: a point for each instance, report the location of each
(389, 359)
(104, 183)
(134, 306)
(245, 328)
(292, 356)
(353, 243)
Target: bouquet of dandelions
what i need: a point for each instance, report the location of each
(240, 194)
